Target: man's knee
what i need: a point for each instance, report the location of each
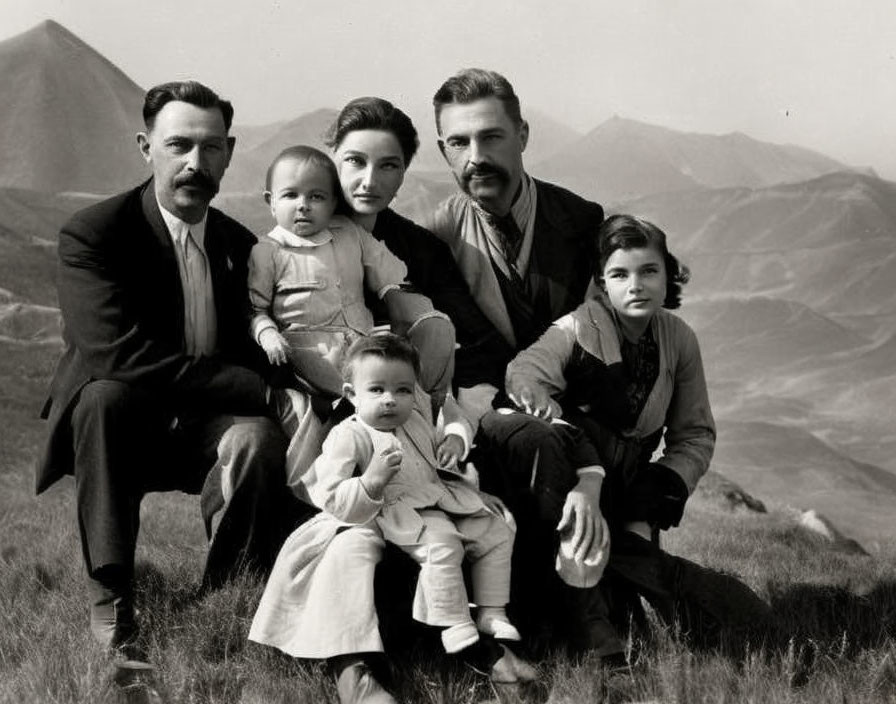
(518, 432)
(257, 445)
(107, 400)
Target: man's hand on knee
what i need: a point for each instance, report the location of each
(581, 517)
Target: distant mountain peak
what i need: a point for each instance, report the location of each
(74, 117)
(622, 159)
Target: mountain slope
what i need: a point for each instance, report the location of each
(248, 168)
(69, 118)
(623, 159)
(829, 243)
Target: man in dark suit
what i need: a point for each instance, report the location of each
(526, 249)
(524, 246)
(158, 387)
(528, 252)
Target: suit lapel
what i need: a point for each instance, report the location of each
(169, 284)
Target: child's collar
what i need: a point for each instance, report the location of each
(284, 237)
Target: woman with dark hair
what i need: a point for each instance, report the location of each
(373, 143)
(319, 602)
(574, 460)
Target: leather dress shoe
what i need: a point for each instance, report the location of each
(113, 622)
(356, 684)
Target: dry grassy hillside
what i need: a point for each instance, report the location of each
(833, 637)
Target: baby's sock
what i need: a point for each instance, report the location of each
(493, 620)
(456, 638)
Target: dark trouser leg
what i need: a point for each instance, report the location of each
(706, 604)
(525, 461)
(115, 432)
(247, 508)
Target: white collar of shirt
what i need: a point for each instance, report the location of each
(178, 229)
(284, 237)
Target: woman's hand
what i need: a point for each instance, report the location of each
(581, 516)
(534, 400)
(450, 450)
(380, 471)
(274, 345)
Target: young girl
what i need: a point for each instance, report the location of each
(628, 373)
(306, 286)
(387, 473)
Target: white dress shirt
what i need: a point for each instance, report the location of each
(200, 318)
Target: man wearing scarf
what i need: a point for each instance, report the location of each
(526, 249)
(524, 246)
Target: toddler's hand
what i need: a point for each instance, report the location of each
(274, 345)
(381, 470)
(450, 450)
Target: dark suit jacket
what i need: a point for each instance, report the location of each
(123, 314)
(561, 263)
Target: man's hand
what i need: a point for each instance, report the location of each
(581, 516)
(274, 345)
(534, 400)
(450, 450)
(381, 470)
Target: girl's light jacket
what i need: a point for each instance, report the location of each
(676, 408)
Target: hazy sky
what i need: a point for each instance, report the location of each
(818, 73)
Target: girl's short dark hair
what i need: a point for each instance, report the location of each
(370, 113)
(630, 232)
(304, 154)
(385, 345)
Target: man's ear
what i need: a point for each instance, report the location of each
(441, 144)
(231, 143)
(349, 392)
(267, 197)
(524, 135)
(143, 145)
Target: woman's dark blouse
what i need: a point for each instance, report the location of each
(433, 272)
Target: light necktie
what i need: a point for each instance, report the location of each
(197, 299)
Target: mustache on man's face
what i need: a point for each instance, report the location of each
(197, 179)
(485, 170)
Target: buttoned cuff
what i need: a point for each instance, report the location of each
(260, 324)
(458, 428)
(381, 293)
(428, 316)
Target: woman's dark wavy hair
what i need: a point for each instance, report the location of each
(370, 113)
(630, 232)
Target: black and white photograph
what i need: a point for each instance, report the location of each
(447, 353)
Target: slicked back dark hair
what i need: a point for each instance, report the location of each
(191, 92)
(370, 113)
(304, 154)
(630, 232)
(472, 84)
(386, 346)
